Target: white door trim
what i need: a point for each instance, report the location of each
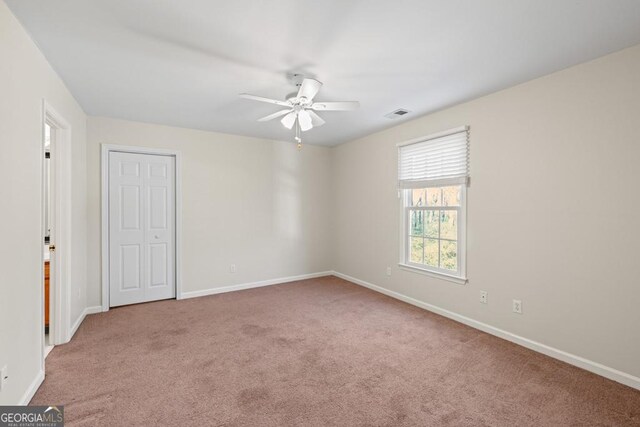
(106, 149)
(60, 291)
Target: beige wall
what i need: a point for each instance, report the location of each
(262, 205)
(25, 79)
(552, 214)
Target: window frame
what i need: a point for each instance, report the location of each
(459, 276)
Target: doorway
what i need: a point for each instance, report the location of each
(49, 246)
(140, 218)
(55, 236)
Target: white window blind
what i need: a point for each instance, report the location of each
(437, 160)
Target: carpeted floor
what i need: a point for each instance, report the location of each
(314, 353)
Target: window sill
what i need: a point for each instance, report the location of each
(436, 275)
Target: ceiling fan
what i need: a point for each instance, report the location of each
(300, 108)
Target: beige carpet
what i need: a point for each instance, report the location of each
(314, 353)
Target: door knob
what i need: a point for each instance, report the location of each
(52, 248)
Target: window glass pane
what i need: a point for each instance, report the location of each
(431, 252)
(434, 196)
(431, 223)
(449, 225)
(417, 197)
(417, 244)
(449, 255)
(451, 196)
(416, 223)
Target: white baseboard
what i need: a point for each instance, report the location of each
(572, 359)
(31, 391)
(85, 312)
(250, 285)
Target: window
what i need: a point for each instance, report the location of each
(432, 175)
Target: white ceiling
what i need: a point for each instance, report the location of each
(183, 63)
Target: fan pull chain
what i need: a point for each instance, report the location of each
(298, 138)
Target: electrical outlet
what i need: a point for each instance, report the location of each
(4, 376)
(517, 306)
(388, 271)
(232, 268)
(484, 297)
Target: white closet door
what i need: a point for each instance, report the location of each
(141, 228)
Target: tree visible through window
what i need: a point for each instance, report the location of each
(433, 215)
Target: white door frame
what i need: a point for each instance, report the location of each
(106, 149)
(60, 285)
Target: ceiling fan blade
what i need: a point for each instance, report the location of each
(263, 99)
(335, 106)
(305, 120)
(309, 88)
(288, 120)
(316, 120)
(274, 115)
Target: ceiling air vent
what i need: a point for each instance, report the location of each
(397, 113)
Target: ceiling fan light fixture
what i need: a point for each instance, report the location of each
(289, 120)
(305, 120)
